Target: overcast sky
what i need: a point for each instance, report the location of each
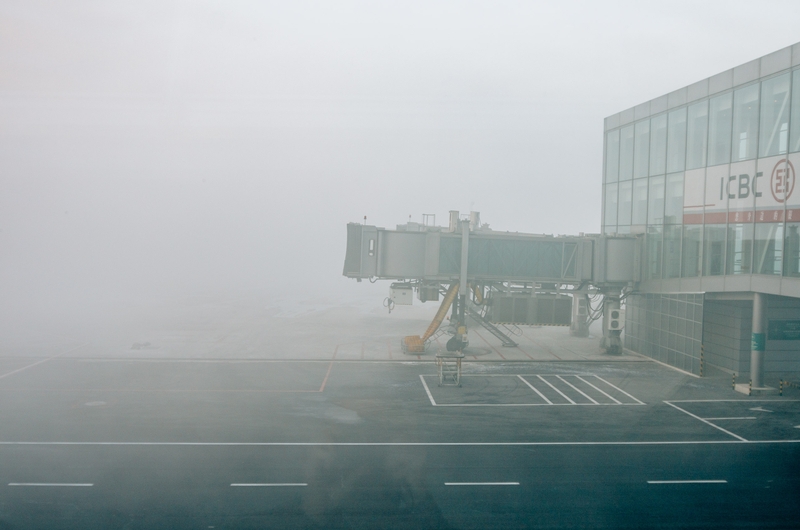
(221, 146)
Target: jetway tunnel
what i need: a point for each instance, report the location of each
(523, 279)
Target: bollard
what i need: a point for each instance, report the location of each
(780, 388)
(750, 391)
(733, 382)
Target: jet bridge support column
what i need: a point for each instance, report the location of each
(459, 340)
(612, 340)
(579, 327)
(758, 342)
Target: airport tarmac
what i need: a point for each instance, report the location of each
(247, 415)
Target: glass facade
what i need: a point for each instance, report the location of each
(710, 185)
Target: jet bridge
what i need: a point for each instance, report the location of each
(503, 278)
(435, 256)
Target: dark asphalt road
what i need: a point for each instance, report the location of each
(403, 487)
(361, 445)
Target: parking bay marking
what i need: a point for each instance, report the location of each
(541, 395)
(748, 401)
(535, 390)
(705, 421)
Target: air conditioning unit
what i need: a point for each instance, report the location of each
(402, 293)
(616, 320)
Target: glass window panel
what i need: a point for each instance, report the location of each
(611, 205)
(658, 145)
(692, 255)
(653, 251)
(672, 251)
(740, 249)
(676, 141)
(714, 250)
(697, 135)
(673, 208)
(745, 123)
(794, 144)
(719, 129)
(612, 156)
(639, 209)
(774, 138)
(655, 209)
(769, 248)
(641, 162)
(792, 259)
(625, 202)
(626, 153)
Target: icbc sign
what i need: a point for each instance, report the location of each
(782, 182)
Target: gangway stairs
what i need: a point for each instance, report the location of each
(491, 328)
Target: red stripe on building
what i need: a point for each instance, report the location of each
(716, 218)
(792, 215)
(769, 216)
(741, 217)
(692, 218)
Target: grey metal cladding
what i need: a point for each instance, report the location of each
(698, 90)
(493, 257)
(721, 81)
(744, 73)
(352, 259)
(432, 244)
(402, 254)
(370, 249)
(776, 61)
(614, 261)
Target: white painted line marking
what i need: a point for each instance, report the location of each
(50, 484)
(705, 421)
(397, 444)
(427, 390)
(515, 375)
(288, 484)
(733, 400)
(591, 385)
(687, 481)
(577, 390)
(538, 405)
(481, 483)
(617, 388)
(18, 370)
(557, 390)
(739, 418)
(535, 390)
(760, 409)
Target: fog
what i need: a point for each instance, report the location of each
(152, 151)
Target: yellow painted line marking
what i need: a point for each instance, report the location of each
(328, 373)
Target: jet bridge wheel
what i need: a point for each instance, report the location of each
(456, 344)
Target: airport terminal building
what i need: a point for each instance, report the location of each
(705, 178)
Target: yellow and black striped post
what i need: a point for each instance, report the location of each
(780, 388)
(702, 362)
(733, 381)
(750, 391)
